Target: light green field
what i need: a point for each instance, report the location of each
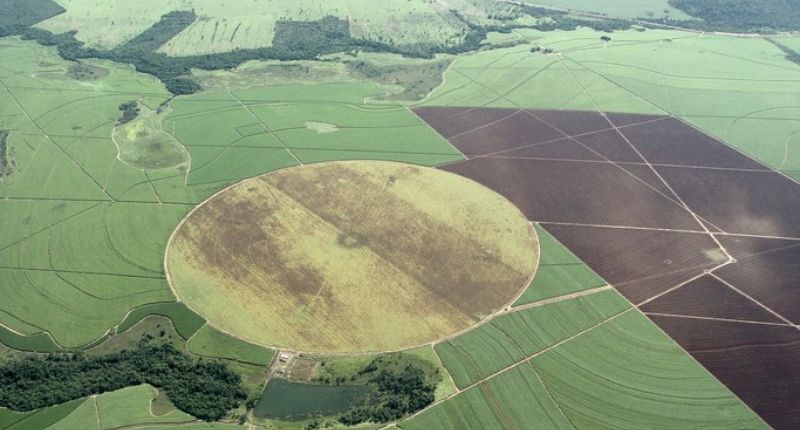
(559, 273)
(122, 408)
(208, 342)
(623, 374)
(131, 406)
(239, 24)
(619, 8)
(514, 336)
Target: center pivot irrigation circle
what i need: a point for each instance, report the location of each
(351, 256)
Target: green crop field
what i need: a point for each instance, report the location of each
(208, 342)
(597, 380)
(91, 199)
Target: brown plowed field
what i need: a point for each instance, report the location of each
(740, 202)
(771, 276)
(710, 298)
(640, 263)
(593, 178)
(577, 192)
(760, 363)
(672, 142)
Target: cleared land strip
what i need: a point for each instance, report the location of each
(770, 310)
(661, 314)
(625, 227)
(629, 163)
(556, 299)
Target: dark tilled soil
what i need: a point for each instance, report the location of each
(771, 276)
(610, 181)
(708, 297)
(742, 202)
(640, 263)
(577, 192)
(760, 363)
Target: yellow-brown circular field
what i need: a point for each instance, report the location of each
(351, 256)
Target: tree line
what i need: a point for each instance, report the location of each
(399, 393)
(205, 389)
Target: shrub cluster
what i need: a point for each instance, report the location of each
(741, 15)
(398, 393)
(130, 111)
(204, 389)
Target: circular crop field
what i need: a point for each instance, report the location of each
(352, 256)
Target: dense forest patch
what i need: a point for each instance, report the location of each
(743, 15)
(23, 13)
(205, 389)
(6, 160)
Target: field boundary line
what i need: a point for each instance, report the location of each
(705, 272)
(628, 163)
(550, 395)
(672, 200)
(97, 412)
(523, 361)
(557, 299)
(730, 320)
(670, 230)
(697, 218)
(63, 151)
(264, 125)
(770, 310)
(438, 134)
(80, 272)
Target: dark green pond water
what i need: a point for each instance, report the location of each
(287, 400)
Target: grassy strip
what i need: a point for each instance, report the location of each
(791, 54)
(186, 322)
(44, 418)
(9, 417)
(209, 342)
(38, 342)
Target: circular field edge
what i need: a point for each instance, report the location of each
(503, 309)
